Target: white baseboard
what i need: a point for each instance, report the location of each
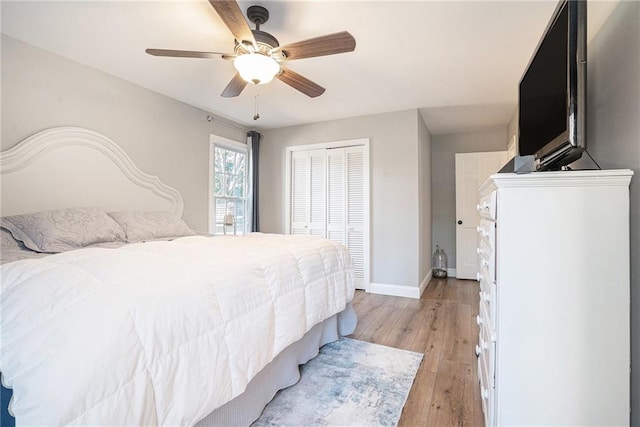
(394, 290)
(401, 290)
(425, 281)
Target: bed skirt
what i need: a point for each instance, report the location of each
(281, 372)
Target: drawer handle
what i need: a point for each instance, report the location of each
(479, 251)
(478, 350)
(478, 320)
(485, 393)
(485, 263)
(478, 207)
(478, 276)
(485, 206)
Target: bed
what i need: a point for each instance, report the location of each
(137, 320)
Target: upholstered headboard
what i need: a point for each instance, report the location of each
(75, 167)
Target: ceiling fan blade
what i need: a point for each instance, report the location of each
(235, 87)
(232, 16)
(319, 46)
(300, 83)
(185, 53)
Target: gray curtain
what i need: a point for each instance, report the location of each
(254, 140)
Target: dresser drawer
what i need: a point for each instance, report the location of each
(487, 345)
(486, 392)
(488, 301)
(487, 261)
(487, 232)
(487, 206)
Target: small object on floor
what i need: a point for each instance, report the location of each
(439, 263)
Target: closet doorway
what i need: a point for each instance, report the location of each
(327, 195)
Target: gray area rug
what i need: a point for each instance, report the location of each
(350, 383)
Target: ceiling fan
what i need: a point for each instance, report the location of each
(258, 57)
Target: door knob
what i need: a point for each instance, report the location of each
(459, 222)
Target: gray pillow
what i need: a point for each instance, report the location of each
(8, 243)
(63, 229)
(146, 225)
(14, 250)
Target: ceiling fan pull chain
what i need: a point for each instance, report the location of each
(256, 116)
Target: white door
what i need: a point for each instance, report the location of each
(329, 197)
(472, 170)
(308, 192)
(346, 188)
(318, 193)
(300, 192)
(336, 223)
(355, 211)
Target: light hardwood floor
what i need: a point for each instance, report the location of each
(441, 325)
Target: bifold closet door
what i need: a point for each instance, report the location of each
(346, 203)
(308, 192)
(328, 194)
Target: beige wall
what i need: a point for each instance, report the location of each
(613, 137)
(443, 180)
(162, 136)
(394, 183)
(512, 128)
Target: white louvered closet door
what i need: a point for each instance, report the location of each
(308, 192)
(355, 210)
(346, 204)
(328, 199)
(336, 205)
(318, 192)
(300, 192)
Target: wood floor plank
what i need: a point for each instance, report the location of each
(441, 325)
(435, 334)
(452, 400)
(415, 411)
(457, 341)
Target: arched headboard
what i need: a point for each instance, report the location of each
(75, 167)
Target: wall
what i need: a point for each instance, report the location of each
(424, 196)
(162, 136)
(393, 183)
(613, 136)
(443, 180)
(512, 128)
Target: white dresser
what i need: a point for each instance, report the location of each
(554, 343)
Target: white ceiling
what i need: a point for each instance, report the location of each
(458, 62)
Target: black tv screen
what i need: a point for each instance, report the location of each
(552, 94)
(543, 91)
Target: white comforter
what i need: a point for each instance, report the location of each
(160, 332)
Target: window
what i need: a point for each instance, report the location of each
(230, 179)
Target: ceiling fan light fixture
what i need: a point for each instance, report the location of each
(256, 67)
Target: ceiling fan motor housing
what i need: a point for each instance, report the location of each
(258, 15)
(265, 41)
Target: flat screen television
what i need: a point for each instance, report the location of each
(552, 91)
